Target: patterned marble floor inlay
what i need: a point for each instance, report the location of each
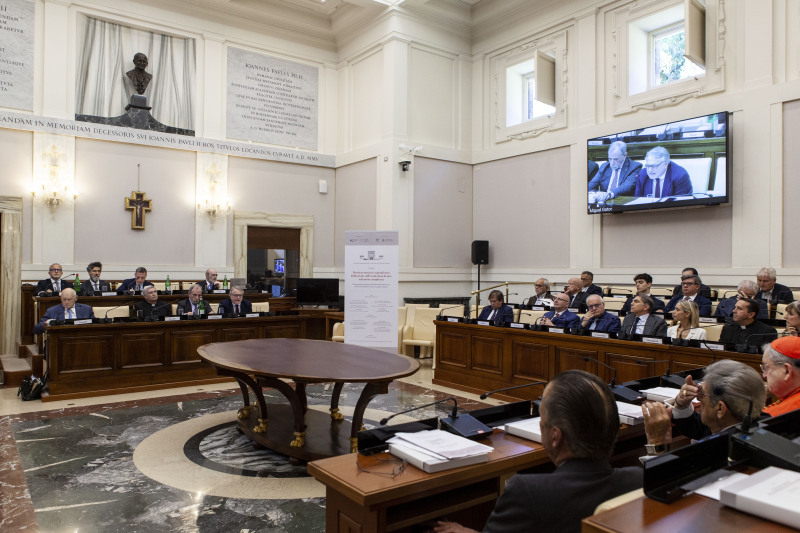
(169, 465)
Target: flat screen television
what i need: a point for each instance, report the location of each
(280, 266)
(686, 166)
(318, 291)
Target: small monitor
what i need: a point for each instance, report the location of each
(280, 266)
(318, 291)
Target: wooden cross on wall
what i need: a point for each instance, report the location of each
(138, 204)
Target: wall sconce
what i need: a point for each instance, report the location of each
(53, 189)
(215, 205)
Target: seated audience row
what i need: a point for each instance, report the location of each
(150, 307)
(53, 285)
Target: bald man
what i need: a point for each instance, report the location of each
(69, 308)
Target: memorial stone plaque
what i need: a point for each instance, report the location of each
(16, 54)
(272, 100)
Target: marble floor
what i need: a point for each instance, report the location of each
(169, 460)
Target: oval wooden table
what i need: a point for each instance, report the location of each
(293, 429)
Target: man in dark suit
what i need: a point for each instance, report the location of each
(691, 286)
(53, 285)
(661, 177)
(617, 177)
(236, 304)
(151, 306)
(588, 286)
(69, 308)
(577, 298)
(773, 293)
(542, 295)
(745, 328)
(194, 304)
(592, 169)
(210, 284)
(643, 284)
(641, 320)
(598, 319)
(95, 285)
(497, 310)
(560, 316)
(705, 290)
(137, 283)
(579, 426)
(746, 289)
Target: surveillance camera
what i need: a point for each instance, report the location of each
(405, 165)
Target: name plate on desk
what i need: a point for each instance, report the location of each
(555, 330)
(573, 310)
(112, 293)
(219, 291)
(713, 345)
(653, 340)
(601, 335)
(708, 319)
(537, 308)
(171, 318)
(252, 315)
(266, 292)
(516, 325)
(214, 317)
(82, 321)
(452, 319)
(483, 323)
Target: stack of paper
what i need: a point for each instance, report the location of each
(660, 394)
(771, 493)
(630, 414)
(527, 429)
(436, 450)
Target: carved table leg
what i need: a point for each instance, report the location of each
(370, 391)
(337, 390)
(295, 400)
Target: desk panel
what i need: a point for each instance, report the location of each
(482, 358)
(89, 360)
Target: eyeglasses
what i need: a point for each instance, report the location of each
(654, 165)
(688, 283)
(55, 270)
(764, 366)
(592, 306)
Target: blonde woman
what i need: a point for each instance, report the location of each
(685, 322)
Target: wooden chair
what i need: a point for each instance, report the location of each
(421, 333)
(451, 310)
(614, 304)
(402, 313)
(118, 312)
(713, 332)
(338, 332)
(664, 292)
(530, 317)
(261, 307)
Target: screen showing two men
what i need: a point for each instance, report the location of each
(669, 165)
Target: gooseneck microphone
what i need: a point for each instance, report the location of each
(531, 384)
(453, 414)
(441, 315)
(626, 394)
(748, 419)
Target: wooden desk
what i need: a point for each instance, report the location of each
(481, 358)
(317, 323)
(97, 359)
(694, 513)
(364, 502)
(266, 363)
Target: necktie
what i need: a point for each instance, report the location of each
(69, 314)
(194, 312)
(96, 286)
(613, 182)
(236, 309)
(685, 298)
(658, 189)
(556, 315)
(57, 286)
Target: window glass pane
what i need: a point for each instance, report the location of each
(668, 61)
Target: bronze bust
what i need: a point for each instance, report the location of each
(138, 76)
